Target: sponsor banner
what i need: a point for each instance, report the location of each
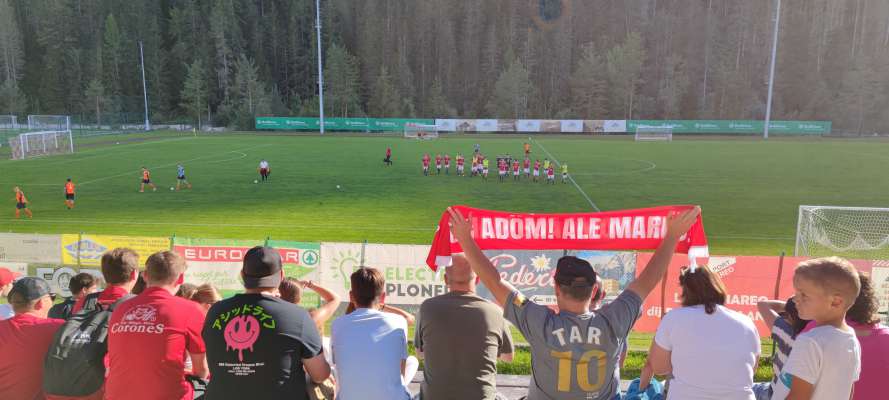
(594, 125)
(506, 125)
(550, 126)
(880, 280)
(342, 124)
(466, 125)
(408, 280)
(219, 262)
(528, 125)
(87, 250)
(531, 271)
(734, 126)
(615, 126)
(571, 125)
(748, 280)
(30, 248)
(446, 125)
(486, 125)
(59, 276)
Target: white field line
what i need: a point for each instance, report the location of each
(176, 163)
(570, 178)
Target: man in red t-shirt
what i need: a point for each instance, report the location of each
(460, 162)
(120, 268)
(426, 164)
(447, 164)
(24, 340)
(515, 170)
(149, 335)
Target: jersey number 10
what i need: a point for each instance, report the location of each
(583, 370)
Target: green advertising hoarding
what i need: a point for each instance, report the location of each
(338, 124)
(734, 126)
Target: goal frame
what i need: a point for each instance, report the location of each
(12, 124)
(420, 131)
(34, 124)
(650, 134)
(24, 144)
(803, 218)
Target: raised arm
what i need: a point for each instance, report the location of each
(397, 311)
(677, 225)
(769, 309)
(321, 314)
(462, 230)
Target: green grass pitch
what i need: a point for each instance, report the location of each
(749, 189)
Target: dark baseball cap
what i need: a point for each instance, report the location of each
(262, 268)
(28, 289)
(576, 272)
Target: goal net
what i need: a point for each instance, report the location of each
(420, 131)
(654, 133)
(49, 123)
(850, 232)
(8, 122)
(36, 144)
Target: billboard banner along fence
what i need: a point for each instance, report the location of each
(219, 261)
(748, 280)
(338, 124)
(86, 250)
(30, 248)
(531, 271)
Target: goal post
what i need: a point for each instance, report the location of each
(49, 123)
(420, 131)
(8, 122)
(851, 232)
(36, 144)
(653, 133)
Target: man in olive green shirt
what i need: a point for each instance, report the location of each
(461, 358)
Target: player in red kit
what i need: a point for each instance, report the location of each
(447, 164)
(426, 164)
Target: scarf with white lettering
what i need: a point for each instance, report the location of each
(639, 229)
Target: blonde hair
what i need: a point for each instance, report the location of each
(205, 294)
(835, 275)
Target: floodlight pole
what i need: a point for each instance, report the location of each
(144, 87)
(320, 71)
(765, 132)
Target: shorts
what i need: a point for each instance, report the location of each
(263, 171)
(181, 178)
(485, 171)
(516, 173)
(527, 171)
(447, 166)
(536, 173)
(564, 175)
(438, 166)
(19, 206)
(69, 196)
(459, 168)
(146, 181)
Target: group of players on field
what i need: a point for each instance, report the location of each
(21, 201)
(480, 166)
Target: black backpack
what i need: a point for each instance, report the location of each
(75, 362)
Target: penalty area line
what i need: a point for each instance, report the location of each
(570, 178)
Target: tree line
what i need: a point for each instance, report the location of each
(222, 62)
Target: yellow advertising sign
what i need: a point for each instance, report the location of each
(89, 248)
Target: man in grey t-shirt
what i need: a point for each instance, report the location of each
(575, 353)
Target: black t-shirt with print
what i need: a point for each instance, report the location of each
(255, 347)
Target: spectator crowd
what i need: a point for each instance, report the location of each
(149, 335)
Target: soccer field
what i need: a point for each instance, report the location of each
(749, 189)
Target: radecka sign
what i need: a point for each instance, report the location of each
(639, 229)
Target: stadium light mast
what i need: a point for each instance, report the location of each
(320, 71)
(144, 87)
(765, 132)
